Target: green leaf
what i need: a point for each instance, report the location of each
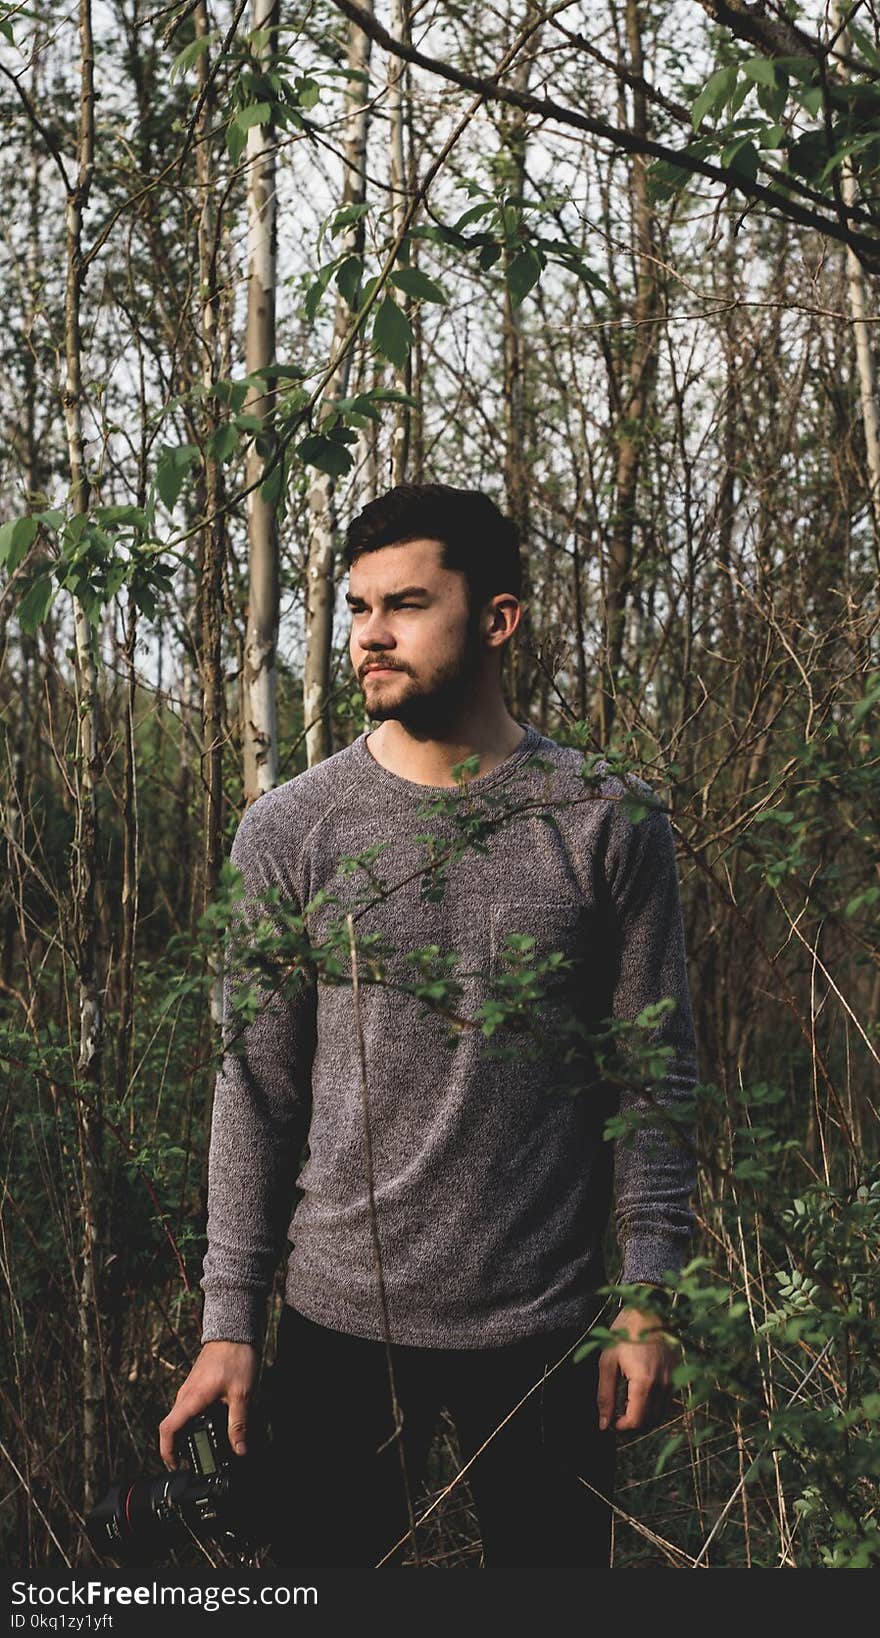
(222, 442)
(392, 332)
(348, 279)
(346, 215)
(308, 91)
(256, 113)
(772, 99)
(489, 255)
(316, 290)
(359, 407)
(236, 142)
(75, 529)
(742, 156)
(270, 488)
(811, 99)
(524, 273)
(807, 154)
(391, 395)
(115, 577)
(35, 604)
(187, 57)
(714, 94)
(416, 283)
(473, 215)
(279, 372)
(439, 236)
(230, 392)
(761, 70)
(665, 179)
(738, 97)
(327, 454)
(802, 69)
(171, 470)
(772, 136)
(121, 514)
(16, 538)
(846, 151)
(864, 43)
(143, 596)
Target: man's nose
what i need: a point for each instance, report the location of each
(375, 632)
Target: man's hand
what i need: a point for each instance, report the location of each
(647, 1367)
(225, 1371)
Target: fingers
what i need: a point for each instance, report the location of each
(224, 1372)
(607, 1386)
(637, 1397)
(645, 1371)
(237, 1404)
(185, 1406)
(188, 1403)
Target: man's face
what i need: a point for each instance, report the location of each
(412, 614)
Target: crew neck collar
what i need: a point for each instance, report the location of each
(368, 765)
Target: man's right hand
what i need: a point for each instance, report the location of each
(226, 1371)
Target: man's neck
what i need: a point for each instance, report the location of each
(430, 761)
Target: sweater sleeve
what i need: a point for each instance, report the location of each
(654, 1166)
(262, 1104)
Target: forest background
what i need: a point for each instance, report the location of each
(616, 264)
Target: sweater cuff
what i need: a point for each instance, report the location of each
(651, 1262)
(234, 1314)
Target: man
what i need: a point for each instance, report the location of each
(447, 1244)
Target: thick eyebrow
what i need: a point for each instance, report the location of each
(393, 597)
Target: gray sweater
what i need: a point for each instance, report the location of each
(492, 1181)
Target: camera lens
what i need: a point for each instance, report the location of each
(139, 1515)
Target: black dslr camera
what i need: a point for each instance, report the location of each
(224, 1498)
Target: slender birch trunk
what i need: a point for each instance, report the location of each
(416, 434)
(210, 582)
(319, 571)
(397, 99)
(518, 679)
(88, 764)
(259, 675)
(859, 306)
(25, 748)
(182, 818)
(635, 399)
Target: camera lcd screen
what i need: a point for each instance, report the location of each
(204, 1451)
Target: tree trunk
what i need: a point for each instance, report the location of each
(519, 665)
(209, 622)
(319, 570)
(636, 396)
(397, 99)
(859, 306)
(259, 676)
(84, 852)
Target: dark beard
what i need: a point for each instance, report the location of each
(428, 715)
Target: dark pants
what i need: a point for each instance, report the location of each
(342, 1502)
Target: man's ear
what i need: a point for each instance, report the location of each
(502, 614)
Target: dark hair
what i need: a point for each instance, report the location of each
(477, 538)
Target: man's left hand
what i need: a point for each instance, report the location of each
(646, 1365)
